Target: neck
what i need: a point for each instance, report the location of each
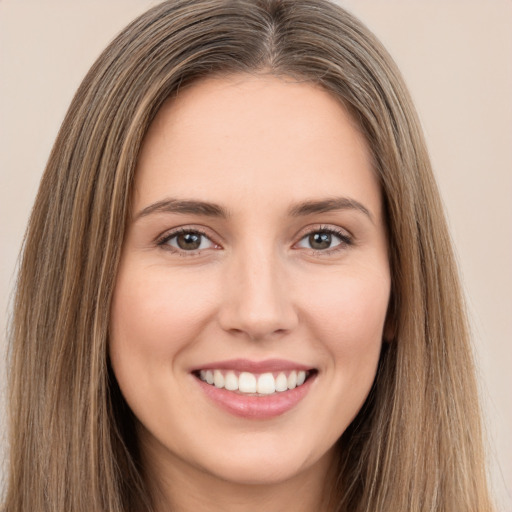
(177, 486)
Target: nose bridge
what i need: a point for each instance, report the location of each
(257, 299)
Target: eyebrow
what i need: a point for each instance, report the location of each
(328, 205)
(186, 206)
(207, 209)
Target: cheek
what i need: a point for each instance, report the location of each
(156, 312)
(348, 320)
(351, 307)
(155, 317)
(346, 315)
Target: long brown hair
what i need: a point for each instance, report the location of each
(416, 444)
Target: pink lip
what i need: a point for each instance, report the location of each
(245, 365)
(256, 407)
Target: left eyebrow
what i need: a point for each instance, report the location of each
(187, 206)
(329, 205)
(208, 209)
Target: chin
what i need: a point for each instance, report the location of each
(264, 473)
(267, 466)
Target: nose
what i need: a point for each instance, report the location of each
(257, 299)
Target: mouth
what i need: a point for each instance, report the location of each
(254, 384)
(255, 390)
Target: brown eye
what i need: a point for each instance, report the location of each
(319, 241)
(188, 241)
(325, 240)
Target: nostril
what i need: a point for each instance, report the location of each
(259, 309)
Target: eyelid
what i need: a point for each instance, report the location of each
(344, 235)
(331, 228)
(162, 239)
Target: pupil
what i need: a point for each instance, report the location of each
(189, 241)
(320, 240)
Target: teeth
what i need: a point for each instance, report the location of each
(231, 382)
(266, 384)
(218, 379)
(281, 382)
(292, 380)
(246, 382)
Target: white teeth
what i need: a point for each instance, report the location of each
(266, 384)
(231, 382)
(218, 379)
(281, 382)
(246, 382)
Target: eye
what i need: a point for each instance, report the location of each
(187, 240)
(324, 240)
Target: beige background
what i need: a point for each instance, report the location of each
(457, 59)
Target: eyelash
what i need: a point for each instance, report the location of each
(345, 240)
(162, 241)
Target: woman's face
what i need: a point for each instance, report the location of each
(249, 308)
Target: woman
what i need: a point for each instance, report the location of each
(312, 351)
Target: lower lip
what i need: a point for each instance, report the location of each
(256, 407)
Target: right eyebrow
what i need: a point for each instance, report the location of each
(329, 205)
(183, 206)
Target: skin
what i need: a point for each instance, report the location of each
(256, 289)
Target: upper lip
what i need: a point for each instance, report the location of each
(246, 365)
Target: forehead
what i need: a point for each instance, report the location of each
(253, 135)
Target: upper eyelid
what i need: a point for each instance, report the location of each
(332, 228)
(345, 239)
(171, 233)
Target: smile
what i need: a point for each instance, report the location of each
(255, 390)
(253, 383)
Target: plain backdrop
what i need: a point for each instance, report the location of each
(456, 57)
